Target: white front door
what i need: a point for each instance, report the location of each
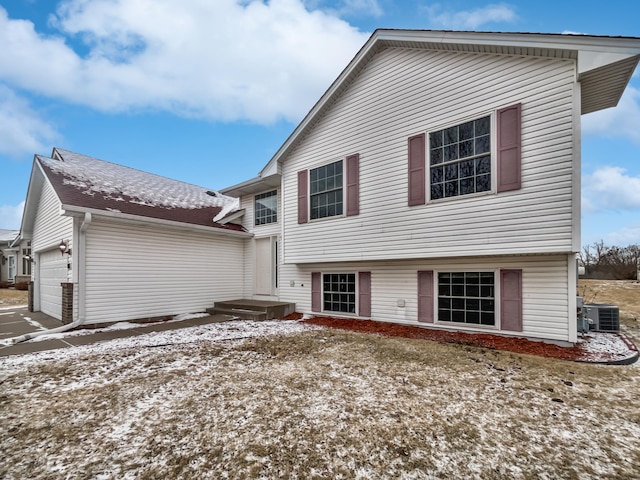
(266, 269)
(11, 271)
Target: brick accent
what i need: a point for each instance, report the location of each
(30, 297)
(67, 302)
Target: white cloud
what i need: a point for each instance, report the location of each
(11, 216)
(610, 188)
(23, 129)
(365, 7)
(621, 121)
(470, 19)
(626, 236)
(224, 60)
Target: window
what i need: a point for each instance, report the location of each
(339, 292)
(266, 208)
(466, 297)
(326, 186)
(460, 159)
(26, 262)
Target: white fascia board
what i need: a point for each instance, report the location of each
(72, 210)
(590, 60)
(625, 45)
(254, 185)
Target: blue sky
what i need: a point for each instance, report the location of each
(206, 91)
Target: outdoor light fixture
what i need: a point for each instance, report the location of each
(64, 247)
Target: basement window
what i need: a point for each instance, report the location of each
(466, 297)
(339, 292)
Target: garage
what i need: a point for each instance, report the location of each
(53, 272)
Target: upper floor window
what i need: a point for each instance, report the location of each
(266, 208)
(326, 185)
(460, 159)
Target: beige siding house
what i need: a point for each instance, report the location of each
(437, 182)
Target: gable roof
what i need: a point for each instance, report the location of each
(8, 236)
(87, 184)
(604, 66)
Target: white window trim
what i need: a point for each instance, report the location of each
(277, 208)
(344, 191)
(494, 159)
(467, 326)
(357, 293)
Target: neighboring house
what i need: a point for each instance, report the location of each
(8, 256)
(126, 244)
(437, 183)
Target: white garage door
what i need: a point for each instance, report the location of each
(53, 271)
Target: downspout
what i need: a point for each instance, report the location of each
(80, 249)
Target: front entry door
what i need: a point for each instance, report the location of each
(266, 266)
(11, 272)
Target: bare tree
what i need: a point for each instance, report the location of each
(601, 261)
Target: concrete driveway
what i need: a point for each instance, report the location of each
(16, 321)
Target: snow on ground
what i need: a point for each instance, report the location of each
(215, 332)
(279, 399)
(606, 346)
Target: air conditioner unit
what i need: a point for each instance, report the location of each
(603, 317)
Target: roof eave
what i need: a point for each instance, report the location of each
(253, 186)
(74, 210)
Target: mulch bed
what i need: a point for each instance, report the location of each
(497, 342)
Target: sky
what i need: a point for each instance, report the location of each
(206, 91)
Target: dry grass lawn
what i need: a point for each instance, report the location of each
(315, 404)
(10, 297)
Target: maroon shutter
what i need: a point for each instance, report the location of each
(353, 185)
(425, 296)
(364, 294)
(416, 170)
(316, 291)
(511, 300)
(303, 209)
(509, 148)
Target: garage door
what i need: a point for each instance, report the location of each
(53, 271)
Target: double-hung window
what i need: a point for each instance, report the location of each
(474, 156)
(460, 159)
(266, 208)
(326, 190)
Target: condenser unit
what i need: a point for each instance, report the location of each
(603, 317)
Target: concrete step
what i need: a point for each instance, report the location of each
(254, 309)
(242, 313)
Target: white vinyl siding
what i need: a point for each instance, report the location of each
(135, 271)
(50, 227)
(247, 203)
(545, 296)
(404, 92)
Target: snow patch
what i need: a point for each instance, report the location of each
(113, 181)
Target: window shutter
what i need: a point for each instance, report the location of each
(316, 291)
(303, 185)
(511, 300)
(353, 185)
(509, 147)
(425, 296)
(364, 294)
(416, 170)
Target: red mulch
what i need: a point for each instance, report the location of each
(510, 344)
